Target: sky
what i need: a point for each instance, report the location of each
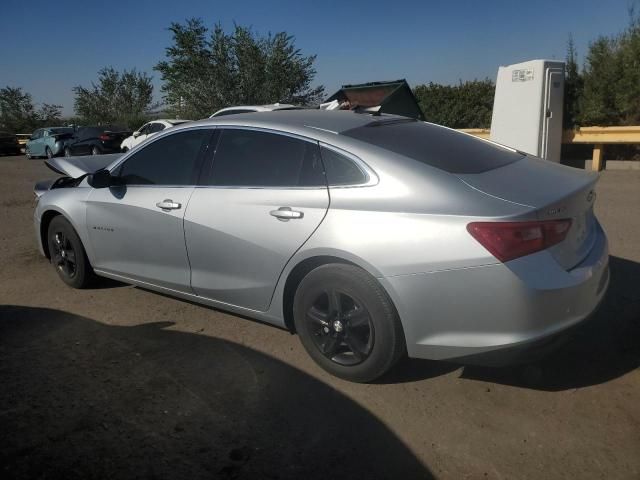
(48, 47)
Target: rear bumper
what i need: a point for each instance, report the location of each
(500, 310)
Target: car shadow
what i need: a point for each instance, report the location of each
(81, 399)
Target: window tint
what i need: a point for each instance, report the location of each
(439, 147)
(340, 169)
(171, 160)
(260, 159)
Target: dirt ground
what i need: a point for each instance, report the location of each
(120, 382)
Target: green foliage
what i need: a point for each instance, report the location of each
(17, 114)
(466, 105)
(612, 79)
(208, 70)
(122, 99)
(573, 87)
(50, 115)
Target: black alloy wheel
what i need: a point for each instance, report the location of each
(63, 255)
(347, 323)
(67, 254)
(341, 327)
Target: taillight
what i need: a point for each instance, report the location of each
(104, 137)
(509, 240)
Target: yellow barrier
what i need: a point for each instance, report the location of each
(598, 136)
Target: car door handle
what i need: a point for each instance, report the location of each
(168, 204)
(284, 214)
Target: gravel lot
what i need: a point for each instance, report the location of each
(120, 382)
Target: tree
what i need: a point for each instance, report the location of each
(612, 78)
(118, 98)
(17, 114)
(573, 87)
(466, 105)
(208, 70)
(49, 114)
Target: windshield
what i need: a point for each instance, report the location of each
(436, 146)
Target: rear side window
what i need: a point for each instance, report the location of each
(340, 169)
(439, 147)
(172, 160)
(252, 158)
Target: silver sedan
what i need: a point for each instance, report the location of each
(372, 237)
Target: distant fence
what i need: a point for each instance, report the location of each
(597, 136)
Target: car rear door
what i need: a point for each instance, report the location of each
(136, 227)
(261, 199)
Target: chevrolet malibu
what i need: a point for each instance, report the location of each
(371, 237)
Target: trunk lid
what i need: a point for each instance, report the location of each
(554, 192)
(77, 166)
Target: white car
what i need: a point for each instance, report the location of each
(147, 130)
(254, 108)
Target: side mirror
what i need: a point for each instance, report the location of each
(136, 134)
(100, 179)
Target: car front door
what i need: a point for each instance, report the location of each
(136, 226)
(262, 198)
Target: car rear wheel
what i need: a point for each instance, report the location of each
(48, 152)
(95, 151)
(347, 322)
(67, 254)
(67, 152)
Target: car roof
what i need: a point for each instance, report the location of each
(308, 122)
(270, 107)
(172, 121)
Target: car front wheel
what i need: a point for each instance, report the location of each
(95, 151)
(67, 254)
(347, 322)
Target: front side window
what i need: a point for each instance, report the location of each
(171, 160)
(156, 127)
(253, 158)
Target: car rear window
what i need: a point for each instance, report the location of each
(436, 146)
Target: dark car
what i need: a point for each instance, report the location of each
(96, 140)
(9, 144)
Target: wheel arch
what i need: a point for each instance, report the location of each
(45, 221)
(302, 268)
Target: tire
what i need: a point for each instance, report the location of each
(29, 157)
(95, 151)
(48, 153)
(356, 336)
(68, 255)
(67, 152)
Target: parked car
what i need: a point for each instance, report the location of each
(48, 142)
(147, 130)
(23, 138)
(9, 144)
(254, 108)
(369, 236)
(95, 140)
